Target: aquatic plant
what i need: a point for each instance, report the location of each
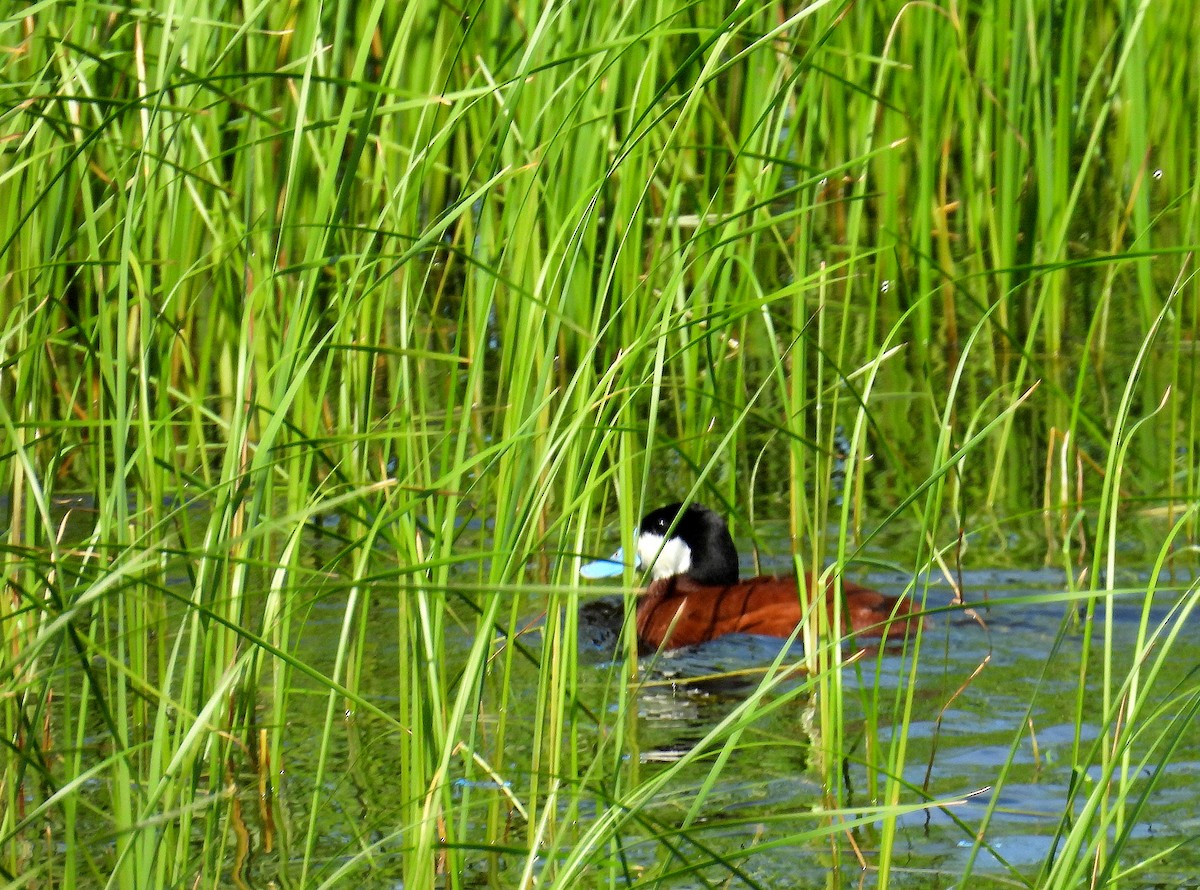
(335, 335)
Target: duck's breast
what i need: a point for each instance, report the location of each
(678, 612)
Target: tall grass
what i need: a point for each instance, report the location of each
(333, 337)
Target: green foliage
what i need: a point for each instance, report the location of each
(317, 313)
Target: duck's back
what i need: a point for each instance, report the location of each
(677, 611)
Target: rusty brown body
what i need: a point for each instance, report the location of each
(678, 611)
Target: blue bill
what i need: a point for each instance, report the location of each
(605, 568)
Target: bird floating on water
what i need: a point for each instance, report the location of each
(695, 594)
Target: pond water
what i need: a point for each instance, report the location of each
(992, 730)
(991, 736)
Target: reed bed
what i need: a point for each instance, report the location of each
(335, 335)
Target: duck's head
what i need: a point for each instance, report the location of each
(675, 541)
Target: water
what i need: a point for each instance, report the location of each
(991, 735)
(1002, 740)
(991, 739)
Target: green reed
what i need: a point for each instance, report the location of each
(402, 308)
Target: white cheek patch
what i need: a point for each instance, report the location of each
(673, 558)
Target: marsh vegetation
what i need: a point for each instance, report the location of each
(335, 336)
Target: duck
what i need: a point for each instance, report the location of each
(695, 594)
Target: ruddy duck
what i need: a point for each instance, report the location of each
(695, 595)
